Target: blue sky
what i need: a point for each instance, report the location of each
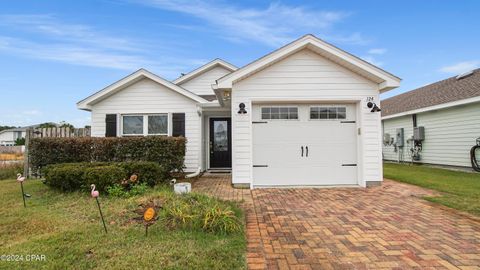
(55, 53)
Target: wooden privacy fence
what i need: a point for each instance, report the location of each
(58, 132)
(53, 132)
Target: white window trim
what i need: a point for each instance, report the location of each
(298, 113)
(326, 106)
(145, 124)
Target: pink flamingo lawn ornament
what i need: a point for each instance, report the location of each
(95, 194)
(21, 179)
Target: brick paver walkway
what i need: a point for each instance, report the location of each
(387, 227)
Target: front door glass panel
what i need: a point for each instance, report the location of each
(220, 136)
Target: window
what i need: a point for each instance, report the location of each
(283, 113)
(142, 125)
(133, 125)
(328, 112)
(158, 124)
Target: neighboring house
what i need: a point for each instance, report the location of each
(9, 136)
(295, 117)
(447, 117)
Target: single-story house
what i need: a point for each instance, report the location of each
(435, 124)
(302, 115)
(9, 136)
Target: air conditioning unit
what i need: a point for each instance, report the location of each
(419, 133)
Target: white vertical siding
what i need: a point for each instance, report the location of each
(449, 134)
(306, 76)
(202, 84)
(390, 126)
(149, 97)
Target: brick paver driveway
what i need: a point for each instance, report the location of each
(351, 228)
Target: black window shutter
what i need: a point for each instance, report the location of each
(178, 124)
(111, 125)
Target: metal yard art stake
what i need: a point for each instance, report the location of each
(21, 179)
(95, 195)
(148, 213)
(148, 218)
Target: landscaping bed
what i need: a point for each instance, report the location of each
(461, 190)
(66, 228)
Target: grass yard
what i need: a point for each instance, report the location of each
(461, 189)
(66, 228)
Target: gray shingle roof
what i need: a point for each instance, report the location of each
(448, 90)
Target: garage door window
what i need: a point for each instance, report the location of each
(325, 113)
(279, 113)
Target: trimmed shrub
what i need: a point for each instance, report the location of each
(169, 152)
(147, 172)
(76, 176)
(67, 177)
(104, 176)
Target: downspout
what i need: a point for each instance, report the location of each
(195, 174)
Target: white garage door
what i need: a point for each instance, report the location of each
(306, 145)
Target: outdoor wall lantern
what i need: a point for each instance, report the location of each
(373, 106)
(242, 108)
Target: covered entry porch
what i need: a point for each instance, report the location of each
(216, 125)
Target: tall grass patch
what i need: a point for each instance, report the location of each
(201, 213)
(9, 170)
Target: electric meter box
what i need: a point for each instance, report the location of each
(419, 133)
(399, 136)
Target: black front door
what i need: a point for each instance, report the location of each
(220, 143)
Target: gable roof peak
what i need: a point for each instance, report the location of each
(385, 80)
(204, 68)
(86, 104)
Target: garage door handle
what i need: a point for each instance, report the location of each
(306, 147)
(302, 151)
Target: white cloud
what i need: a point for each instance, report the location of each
(73, 54)
(49, 26)
(353, 39)
(49, 38)
(460, 67)
(377, 51)
(274, 25)
(372, 60)
(31, 112)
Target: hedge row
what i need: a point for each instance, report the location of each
(76, 176)
(169, 152)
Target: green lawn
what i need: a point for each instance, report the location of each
(461, 189)
(66, 229)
